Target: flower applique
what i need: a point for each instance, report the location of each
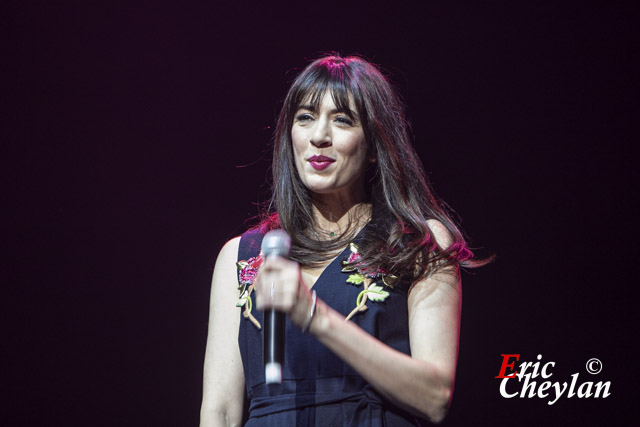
(247, 271)
(360, 275)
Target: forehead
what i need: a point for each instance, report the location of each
(332, 99)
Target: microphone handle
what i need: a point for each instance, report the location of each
(273, 346)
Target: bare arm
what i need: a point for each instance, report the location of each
(223, 384)
(421, 383)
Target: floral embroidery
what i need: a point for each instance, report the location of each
(360, 275)
(247, 271)
(365, 276)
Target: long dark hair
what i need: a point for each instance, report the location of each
(397, 237)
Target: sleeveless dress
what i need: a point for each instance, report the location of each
(318, 388)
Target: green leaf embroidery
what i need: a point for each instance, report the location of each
(371, 291)
(347, 268)
(374, 293)
(244, 299)
(356, 279)
(241, 264)
(389, 280)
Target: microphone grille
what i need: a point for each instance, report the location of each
(276, 243)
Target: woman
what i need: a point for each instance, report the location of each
(371, 290)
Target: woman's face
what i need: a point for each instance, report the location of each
(329, 149)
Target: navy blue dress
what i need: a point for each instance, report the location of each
(318, 388)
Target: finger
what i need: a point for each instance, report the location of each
(275, 263)
(278, 291)
(265, 290)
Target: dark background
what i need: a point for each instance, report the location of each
(137, 143)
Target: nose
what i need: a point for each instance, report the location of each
(321, 136)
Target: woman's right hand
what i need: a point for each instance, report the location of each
(280, 285)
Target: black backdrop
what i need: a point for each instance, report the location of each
(138, 143)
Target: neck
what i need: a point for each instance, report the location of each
(335, 215)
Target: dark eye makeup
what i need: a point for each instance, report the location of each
(344, 120)
(303, 117)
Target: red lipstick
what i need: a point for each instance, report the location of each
(320, 162)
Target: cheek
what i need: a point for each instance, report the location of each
(297, 140)
(356, 150)
(298, 146)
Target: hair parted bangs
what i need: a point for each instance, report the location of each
(330, 76)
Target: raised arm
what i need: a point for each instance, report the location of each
(421, 383)
(223, 384)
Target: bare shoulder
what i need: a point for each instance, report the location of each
(224, 285)
(229, 251)
(225, 271)
(441, 274)
(440, 233)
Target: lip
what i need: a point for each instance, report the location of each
(320, 162)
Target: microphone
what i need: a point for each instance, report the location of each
(274, 243)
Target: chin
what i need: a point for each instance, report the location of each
(320, 186)
(321, 190)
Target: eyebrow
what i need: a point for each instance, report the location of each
(349, 112)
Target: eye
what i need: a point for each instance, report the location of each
(344, 120)
(304, 117)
